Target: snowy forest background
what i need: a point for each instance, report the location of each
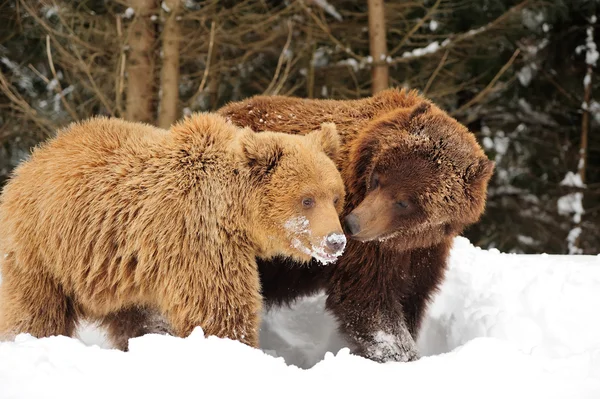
(520, 75)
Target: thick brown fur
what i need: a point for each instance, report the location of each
(415, 178)
(115, 221)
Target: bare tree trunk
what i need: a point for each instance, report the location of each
(585, 123)
(169, 74)
(378, 46)
(140, 65)
(587, 96)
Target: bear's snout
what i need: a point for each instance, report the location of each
(336, 242)
(351, 224)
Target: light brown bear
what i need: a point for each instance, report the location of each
(117, 221)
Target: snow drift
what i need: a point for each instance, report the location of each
(502, 325)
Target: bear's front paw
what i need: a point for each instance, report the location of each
(386, 347)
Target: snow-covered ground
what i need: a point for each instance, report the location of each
(502, 326)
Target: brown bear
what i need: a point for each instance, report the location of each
(119, 221)
(415, 178)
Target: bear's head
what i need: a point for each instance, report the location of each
(420, 177)
(302, 192)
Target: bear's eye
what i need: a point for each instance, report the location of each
(336, 200)
(308, 202)
(374, 181)
(402, 204)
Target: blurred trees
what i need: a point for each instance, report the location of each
(520, 74)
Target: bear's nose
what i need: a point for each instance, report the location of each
(336, 242)
(351, 224)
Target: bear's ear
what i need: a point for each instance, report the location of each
(420, 109)
(416, 124)
(327, 138)
(480, 171)
(262, 153)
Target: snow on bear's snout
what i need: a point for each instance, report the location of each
(303, 240)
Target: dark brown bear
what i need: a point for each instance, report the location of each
(415, 178)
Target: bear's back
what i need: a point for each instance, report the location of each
(126, 191)
(101, 138)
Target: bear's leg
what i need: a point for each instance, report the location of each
(364, 294)
(227, 305)
(428, 266)
(376, 330)
(222, 318)
(32, 302)
(284, 280)
(134, 322)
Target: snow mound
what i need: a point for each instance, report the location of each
(502, 325)
(544, 305)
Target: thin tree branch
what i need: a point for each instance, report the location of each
(282, 58)
(58, 87)
(434, 74)
(211, 43)
(490, 85)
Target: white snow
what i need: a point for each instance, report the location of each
(324, 91)
(527, 240)
(433, 47)
(337, 238)
(591, 54)
(532, 19)
(321, 57)
(433, 25)
(525, 74)
(502, 326)
(532, 49)
(418, 52)
(581, 160)
(299, 227)
(386, 345)
(587, 80)
(571, 203)
(499, 143)
(129, 13)
(473, 32)
(328, 8)
(572, 180)
(25, 76)
(572, 241)
(352, 63)
(488, 143)
(49, 12)
(584, 106)
(594, 108)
